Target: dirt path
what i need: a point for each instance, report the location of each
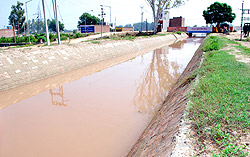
(233, 51)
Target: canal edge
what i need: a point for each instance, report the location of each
(161, 135)
(20, 66)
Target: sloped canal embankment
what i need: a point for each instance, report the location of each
(158, 139)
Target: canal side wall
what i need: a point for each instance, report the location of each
(159, 138)
(20, 66)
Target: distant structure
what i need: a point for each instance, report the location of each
(7, 32)
(94, 28)
(124, 29)
(165, 19)
(177, 22)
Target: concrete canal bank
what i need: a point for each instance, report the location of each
(159, 138)
(19, 66)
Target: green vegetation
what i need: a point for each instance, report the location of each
(220, 101)
(123, 37)
(36, 38)
(95, 42)
(88, 19)
(178, 32)
(243, 50)
(212, 43)
(218, 13)
(52, 25)
(17, 17)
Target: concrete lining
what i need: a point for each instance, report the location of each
(19, 66)
(158, 139)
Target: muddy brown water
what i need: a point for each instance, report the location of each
(101, 114)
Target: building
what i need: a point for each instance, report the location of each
(177, 22)
(7, 32)
(94, 28)
(165, 20)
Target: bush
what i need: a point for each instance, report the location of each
(43, 38)
(212, 43)
(178, 32)
(52, 37)
(64, 38)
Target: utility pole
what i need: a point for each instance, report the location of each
(110, 12)
(46, 26)
(56, 21)
(115, 22)
(242, 13)
(27, 19)
(102, 14)
(141, 17)
(147, 25)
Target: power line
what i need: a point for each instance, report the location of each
(48, 10)
(60, 13)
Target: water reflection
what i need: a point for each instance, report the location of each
(155, 82)
(57, 96)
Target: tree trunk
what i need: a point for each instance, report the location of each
(14, 33)
(18, 31)
(156, 19)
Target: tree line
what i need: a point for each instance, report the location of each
(216, 13)
(17, 19)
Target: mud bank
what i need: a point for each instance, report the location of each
(158, 139)
(19, 66)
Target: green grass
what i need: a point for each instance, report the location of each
(221, 98)
(212, 43)
(243, 50)
(122, 37)
(95, 42)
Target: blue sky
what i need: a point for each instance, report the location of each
(125, 12)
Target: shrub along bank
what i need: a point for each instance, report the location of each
(220, 102)
(35, 38)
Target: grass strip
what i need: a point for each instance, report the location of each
(220, 102)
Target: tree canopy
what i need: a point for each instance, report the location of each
(90, 20)
(218, 13)
(52, 25)
(159, 6)
(17, 17)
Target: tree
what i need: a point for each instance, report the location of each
(90, 20)
(52, 25)
(37, 26)
(158, 6)
(17, 17)
(218, 13)
(137, 26)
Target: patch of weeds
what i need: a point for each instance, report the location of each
(95, 42)
(163, 34)
(243, 50)
(225, 142)
(245, 40)
(115, 37)
(220, 99)
(178, 32)
(87, 41)
(129, 37)
(212, 43)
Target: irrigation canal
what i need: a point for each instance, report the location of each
(101, 114)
